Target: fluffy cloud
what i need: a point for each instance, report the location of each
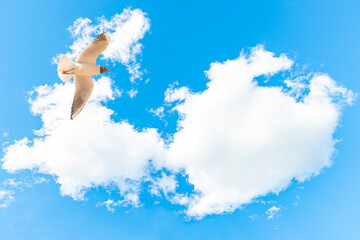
(235, 141)
(238, 140)
(88, 152)
(125, 31)
(82, 154)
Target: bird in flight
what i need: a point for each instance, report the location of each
(82, 70)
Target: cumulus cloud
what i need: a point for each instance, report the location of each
(125, 31)
(238, 140)
(88, 152)
(235, 141)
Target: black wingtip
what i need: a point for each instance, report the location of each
(71, 118)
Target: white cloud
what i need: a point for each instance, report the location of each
(235, 141)
(253, 217)
(6, 197)
(129, 199)
(272, 212)
(88, 152)
(166, 184)
(11, 187)
(109, 204)
(125, 31)
(238, 140)
(132, 93)
(176, 94)
(159, 112)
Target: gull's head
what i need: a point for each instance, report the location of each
(104, 69)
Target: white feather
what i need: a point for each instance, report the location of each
(65, 64)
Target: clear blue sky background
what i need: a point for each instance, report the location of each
(185, 37)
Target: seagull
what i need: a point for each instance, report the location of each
(82, 70)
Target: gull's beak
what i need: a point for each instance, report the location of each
(110, 70)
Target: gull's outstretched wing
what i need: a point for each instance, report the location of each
(83, 88)
(91, 52)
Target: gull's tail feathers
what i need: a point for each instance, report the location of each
(65, 68)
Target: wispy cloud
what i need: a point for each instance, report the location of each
(129, 199)
(272, 212)
(6, 197)
(159, 112)
(10, 187)
(132, 93)
(164, 184)
(125, 31)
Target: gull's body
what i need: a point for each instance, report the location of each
(82, 70)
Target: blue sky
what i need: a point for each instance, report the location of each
(180, 44)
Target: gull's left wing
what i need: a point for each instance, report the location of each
(91, 52)
(83, 88)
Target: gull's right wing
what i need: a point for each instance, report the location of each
(91, 52)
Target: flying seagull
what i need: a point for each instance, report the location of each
(82, 70)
